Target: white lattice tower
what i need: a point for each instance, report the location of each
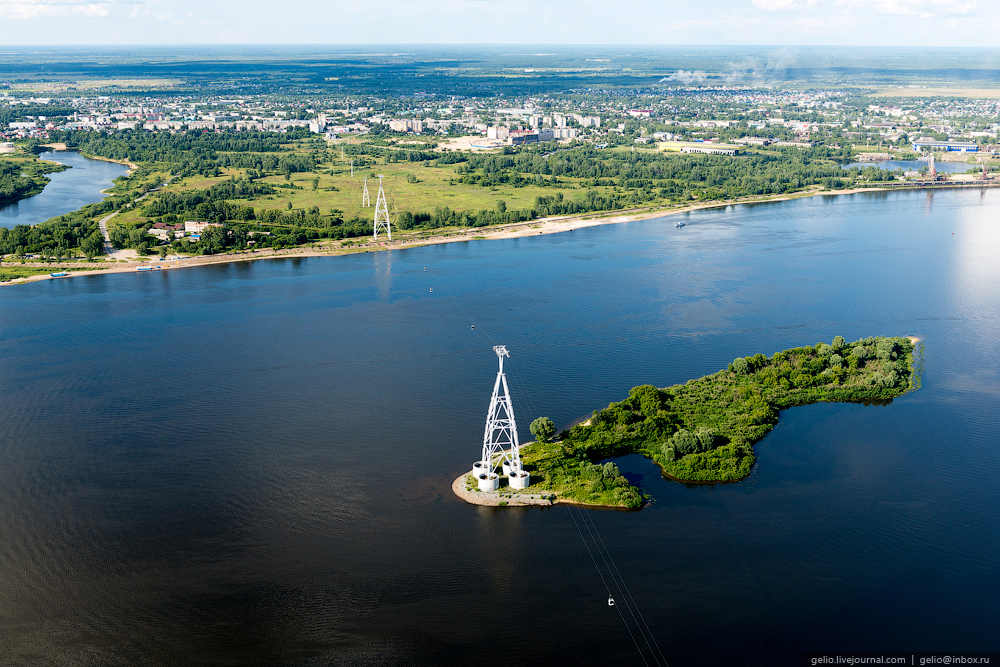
(933, 169)
(381, 212)
(500, 436)
(365, 199)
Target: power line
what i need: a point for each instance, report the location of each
(618, 586)
(608, 588)
(649, 632)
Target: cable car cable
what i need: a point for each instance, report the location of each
(627, 591)
(608, 588)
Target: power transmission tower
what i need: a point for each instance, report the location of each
(365, 199)
(381, 212)
(500, 437)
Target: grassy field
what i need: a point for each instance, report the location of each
(434, 186)
(13, 273)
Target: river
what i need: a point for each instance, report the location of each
(250, 463)
(66, 191)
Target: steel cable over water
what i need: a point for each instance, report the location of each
(625, 595)
(608, 588)
(631, 599)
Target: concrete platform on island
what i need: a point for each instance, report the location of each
(503, 497)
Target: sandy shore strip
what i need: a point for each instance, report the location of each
(551, 225)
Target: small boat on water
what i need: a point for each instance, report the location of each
(678, 224)
(59, 275)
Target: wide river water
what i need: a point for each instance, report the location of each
(249, 464)
(66, 191)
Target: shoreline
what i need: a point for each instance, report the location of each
(62, 148)
(551, 225)
(494, 499)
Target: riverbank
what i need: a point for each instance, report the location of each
(472, 495)
(131, 165)
(61, 147)
(552, 225)
(464, 488)
(32, 169)
(416, 239)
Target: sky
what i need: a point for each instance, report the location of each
(935, 23)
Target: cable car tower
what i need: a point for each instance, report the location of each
(500, 438)
(381, 212)
(365, 199)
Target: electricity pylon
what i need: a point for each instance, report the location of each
(381, 212)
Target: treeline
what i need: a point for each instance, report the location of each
(59, 237)
(401, 155)
(20, 113)
(20, 179)
(674, 175)
(14, 185)
(211, 204)
(194, 152)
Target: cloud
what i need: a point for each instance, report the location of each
(783, 5)
(919, 8)
(29, 9)
(685, 77)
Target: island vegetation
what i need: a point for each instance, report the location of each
(704, 430)
(22, 177)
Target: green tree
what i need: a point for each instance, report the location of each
(838, 343)
(91, 246)
(543, 429)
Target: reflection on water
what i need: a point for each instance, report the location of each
(251, 463)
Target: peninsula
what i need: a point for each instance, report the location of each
(704, 430)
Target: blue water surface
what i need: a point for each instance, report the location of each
(251, 463)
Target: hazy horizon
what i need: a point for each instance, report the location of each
(922, 23)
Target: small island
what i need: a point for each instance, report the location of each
(704, 430)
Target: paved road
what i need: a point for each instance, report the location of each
(108, 248)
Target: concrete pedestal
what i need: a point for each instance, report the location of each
(519, 480)
(489, 482)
